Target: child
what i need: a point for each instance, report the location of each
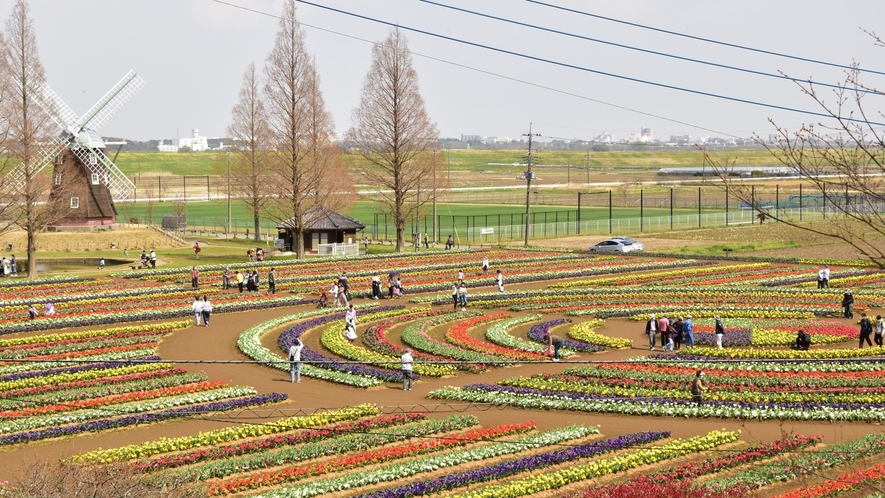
(32, 312)
(323, 300)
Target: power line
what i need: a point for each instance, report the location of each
(502, 76)
(638, 49)
(707, 40)
(594, 71)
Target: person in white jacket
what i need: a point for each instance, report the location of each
(198, 310)
(295, 360)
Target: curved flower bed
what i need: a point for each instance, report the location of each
(457, 334)
(369, 457)
(228, 434)
(596, 468)
(498, 333)
(391, 472)
(333, 339)
(585, 332)
(416, 336)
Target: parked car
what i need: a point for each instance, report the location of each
(612, 245)
(637, 246)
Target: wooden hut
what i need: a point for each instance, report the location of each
(321, 226)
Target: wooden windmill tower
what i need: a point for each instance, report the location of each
(85, 181)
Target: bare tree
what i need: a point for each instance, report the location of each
(842, 161)
(304, 163)
(393, 134)
(26, 187)
(251, 133)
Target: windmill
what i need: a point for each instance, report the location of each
(84, 178)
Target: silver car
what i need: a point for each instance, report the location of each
(637, 246)
(612, 245)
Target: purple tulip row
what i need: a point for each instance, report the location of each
(538, 332)
(550, 393)
(110, 423)
(315, 358)
(526, 464)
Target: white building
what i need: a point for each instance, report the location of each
(196, 143)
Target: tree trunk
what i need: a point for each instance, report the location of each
(298, 243)
(32, 254)
(257, 222)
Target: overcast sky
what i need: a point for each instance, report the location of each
(192, 54)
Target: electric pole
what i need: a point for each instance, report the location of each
(529, 176)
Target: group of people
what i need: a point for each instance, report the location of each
(147, 259)
(202, 310)
(256, 255)
(9, 266)
(674, 333)
(251, 281)
(48, 310)
(868, 328)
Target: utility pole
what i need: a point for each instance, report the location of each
(228, 193)
(529, 176)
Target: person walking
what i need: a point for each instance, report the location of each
(144, 259)
(295, 360)
(344, 285)
(651, 328)
(848, 303)
(13, 266)
(206, 310)
(406, 367)
(880, 330)
(554, 342)
(671, 336)
(866, 328)
(499, 279)
(341, 298)
(271, 281)
(197, 308)
(426, 242)
(485, 265)
(197, 250)
(240, 281)
(256, 281)
(460, 277)
(398, 288)
(333, 291)
(153, 259)
(32, 312)
(462, 296)
(391, 284)
(720, 332)
(225, 278)
(698, 388)
(663, 325)
(450, 243)
(195, 278)
(678, 334)
(376, 287)
(688, 332)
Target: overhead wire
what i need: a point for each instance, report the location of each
(707, 40)
(638, 49)
(847, 119)
(502, 76)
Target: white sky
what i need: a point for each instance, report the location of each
(192, 54)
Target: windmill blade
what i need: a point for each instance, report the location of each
(109, 174)
(53, 105)
(46, 155)
(111, 102)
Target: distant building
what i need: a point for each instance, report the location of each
(167, 147)
(645, 135)
(680, 139)
(195, 143)
(602, 138)
(470, 138)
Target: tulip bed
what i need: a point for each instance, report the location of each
(811, 391)
(42, 395)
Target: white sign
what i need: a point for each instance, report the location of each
(487, 231)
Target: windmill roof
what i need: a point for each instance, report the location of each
(320, 218)
(91, 137)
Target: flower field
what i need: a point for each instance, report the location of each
(448, 438)
(67, 384)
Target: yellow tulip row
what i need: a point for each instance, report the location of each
(166, 445)
(95, 333)
(585, 331)
(787, 354)
(545, 481)
(60, 378)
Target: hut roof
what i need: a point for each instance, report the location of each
(320, 218)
